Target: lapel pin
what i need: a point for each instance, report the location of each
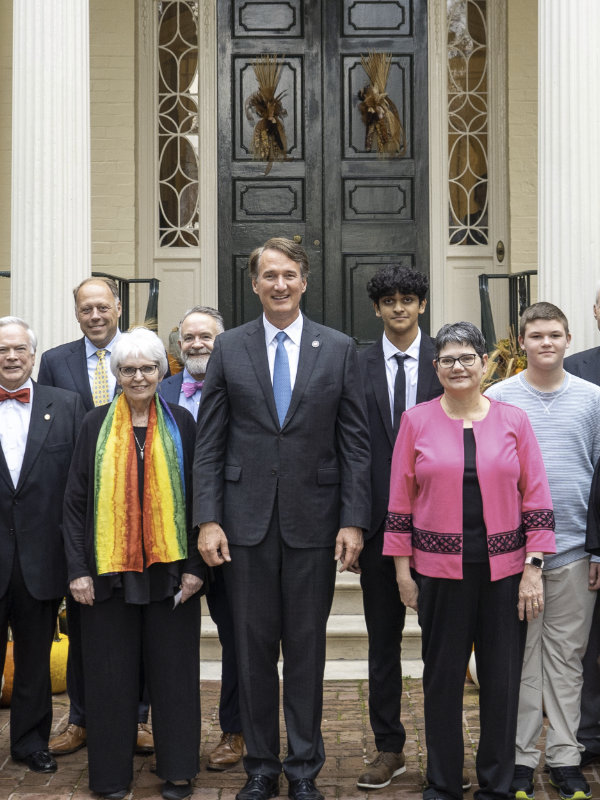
(315, 343)
(46, 416)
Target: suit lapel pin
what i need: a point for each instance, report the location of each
(46, 416)
(315, 343)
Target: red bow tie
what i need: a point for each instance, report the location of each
(22, 395)
(191, 387)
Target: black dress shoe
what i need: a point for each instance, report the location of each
(40, 761)
(588, 757)
(176, 791)
(259, 787)
(118, 795)
(304, 789)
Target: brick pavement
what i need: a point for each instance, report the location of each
(348, 741)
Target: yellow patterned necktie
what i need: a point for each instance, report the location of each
(100, 391)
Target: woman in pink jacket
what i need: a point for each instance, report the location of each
(470, 510)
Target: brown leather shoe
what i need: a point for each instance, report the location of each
(381, 770)
(227, 753)
(73, 738)
(145, 740)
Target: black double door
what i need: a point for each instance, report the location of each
(351, 209)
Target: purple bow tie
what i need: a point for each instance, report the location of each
(191, 387)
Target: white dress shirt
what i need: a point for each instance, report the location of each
(14, 427)
(411, 370)
(291, 344)
(92, 362)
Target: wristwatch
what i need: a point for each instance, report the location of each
(534, 561)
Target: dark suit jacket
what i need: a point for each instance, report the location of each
(170, 388)
(372, 369)
(585, 365)
(65, 366)
(317, 464)
(31, 514)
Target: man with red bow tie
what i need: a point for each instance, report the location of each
(198, 330)
(38, 428)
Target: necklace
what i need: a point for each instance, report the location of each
(140, 447)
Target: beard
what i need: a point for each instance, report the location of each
(196, 365)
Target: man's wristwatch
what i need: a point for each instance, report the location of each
(534, 561)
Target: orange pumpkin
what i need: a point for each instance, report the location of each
(58, 669)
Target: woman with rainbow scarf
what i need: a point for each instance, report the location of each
(134, 566)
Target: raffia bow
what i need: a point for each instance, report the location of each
(269, 141)
(378, 111)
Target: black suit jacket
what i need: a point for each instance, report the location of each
(316, 464)
(585, 365)
(31, 513)
(372, 369)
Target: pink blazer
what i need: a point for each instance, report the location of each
(425, 512)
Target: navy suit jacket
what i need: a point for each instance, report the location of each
(170, 388)
(31, 514)
(585, 365)
(372, 368)
(316, 464)
(65, 366)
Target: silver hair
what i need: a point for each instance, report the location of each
(139, 342)
(18, 321)
(211, 312)
(460, 333)
(109, 282)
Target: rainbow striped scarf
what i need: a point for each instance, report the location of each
(122, 533)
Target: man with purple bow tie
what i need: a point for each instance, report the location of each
(198, 330)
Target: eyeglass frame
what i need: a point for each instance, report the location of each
(474, 356)
(146, 371)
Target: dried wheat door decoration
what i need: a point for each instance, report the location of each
(378, 111)
(268, 140)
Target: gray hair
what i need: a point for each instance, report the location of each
(460, 333)
(112, 285)
(210, 312)
(139, 342)
(18, 321)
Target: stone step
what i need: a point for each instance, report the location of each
(346, 638)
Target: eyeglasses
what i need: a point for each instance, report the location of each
(147, 369)
(448, 362)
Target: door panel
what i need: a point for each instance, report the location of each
(352, 209)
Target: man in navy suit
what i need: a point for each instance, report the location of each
(82, 366)
(586, 365)
(198, 330)
(281, 491)
(38, 429)
(397, 372)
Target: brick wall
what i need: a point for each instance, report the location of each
(112, 114)
(522, 132)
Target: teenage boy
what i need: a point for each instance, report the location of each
(397, 372)
(564, 411)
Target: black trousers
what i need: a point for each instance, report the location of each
(115, 636)
(33, 623)
(220, 612)
(281, 596)
(384, 615)
(75, 680)
(589, 726)
(454, 615)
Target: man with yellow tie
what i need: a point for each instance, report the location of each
(82, 366)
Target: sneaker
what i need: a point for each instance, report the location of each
(380, 772)
(466, 782)
(570, 783)
(522, 782)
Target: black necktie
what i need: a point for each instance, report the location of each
(399, 391)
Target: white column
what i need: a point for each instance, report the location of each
(50, 223)
(569, 161)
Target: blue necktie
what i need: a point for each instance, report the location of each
(282, 387)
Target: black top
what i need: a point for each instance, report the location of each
(155, 582)
(474, 533)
